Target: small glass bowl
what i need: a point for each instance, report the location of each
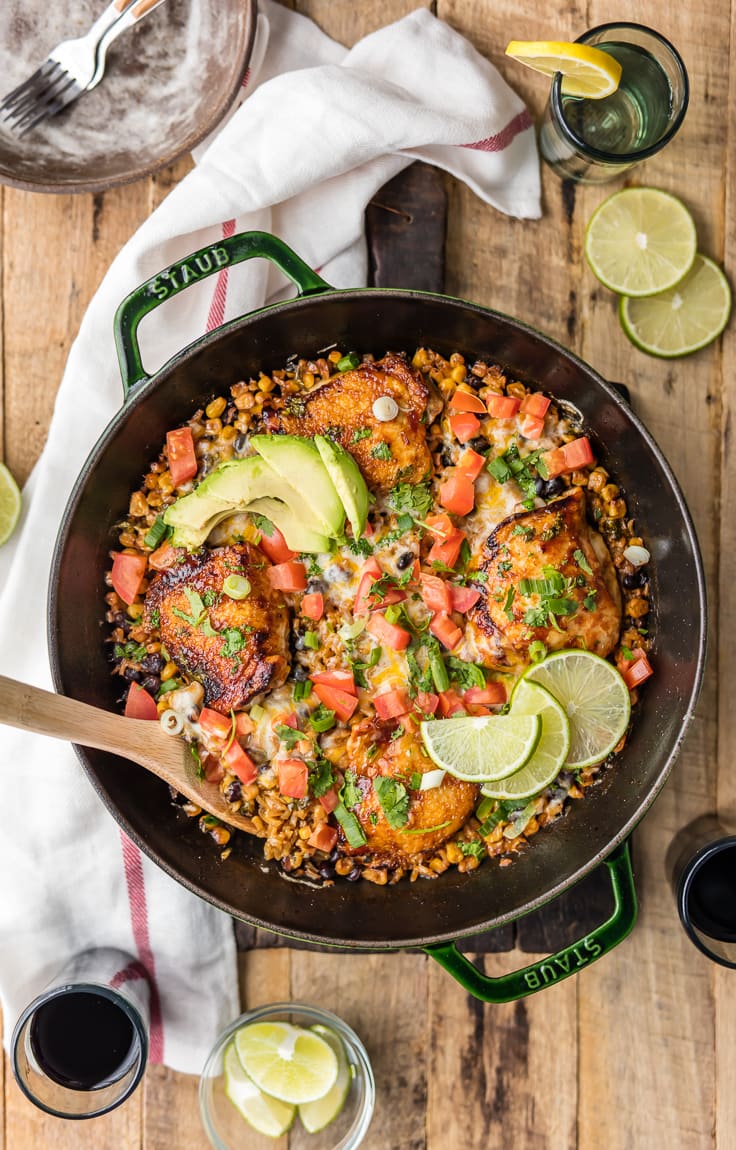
(228, 1130)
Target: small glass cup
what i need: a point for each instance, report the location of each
(593, 141)
(80, 1048)
(228, 1130)
(701, 865)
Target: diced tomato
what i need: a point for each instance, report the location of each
(450, 704)
(274, 546)
(478, 710)
(214, 724)
(370, 572)
(182, 457)
(441, 526)
(139, 704)
(391, 704)
(531, 427)
(127, 575)
(313, 606)
(426, 702)
(503, 406)
(535, 404)
(343, 680)
(391, 635)
(240, 763)
(578, 453)
(330, 799)
(286, 719)
(214, 771)
(163, 557)
(244, 725)
(489, 695)
(436, 593)
(463, 598)
(443, 628)
(466, 401)
(290, 576)
(457, 493)
(323, 838)
(470, 463)
(369, 530)
(337, 700)
(464, 425)
(447, 551)
(554, 462)
(293, 778)
(637, 670)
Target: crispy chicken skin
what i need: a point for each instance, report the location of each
(249, 652)
(344, 405)
(452, 802)
(519, 548)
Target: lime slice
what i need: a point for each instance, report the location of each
(287, 1062)
(482, 748)
(316, 1115)
(595, 698)
(552, 750)
(640, 241)
(9, 504)
(683, 319)
(264, 1114)
(586, 71)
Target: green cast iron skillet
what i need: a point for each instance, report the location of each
(434, 914)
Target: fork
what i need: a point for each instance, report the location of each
(73, 67)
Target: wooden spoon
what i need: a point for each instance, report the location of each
(142, 741)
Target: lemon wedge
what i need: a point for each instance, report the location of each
(588, 72)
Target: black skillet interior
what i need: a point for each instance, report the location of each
(361, 914)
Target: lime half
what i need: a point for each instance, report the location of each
(316, 1115)
(287, 1062)
(586, 71)
(266, 1115)
(10, 503)
(552, 750)
(683, 319)
(482, 748)
(595, 698)
(640, 241)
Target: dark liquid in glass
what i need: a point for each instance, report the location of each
(82, 1040)
(712, 898)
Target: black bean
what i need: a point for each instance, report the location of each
(316, 585)
(637, 579)
(120, 618)
(154, 663)
(151, 683)
(234, 791)
(549, 488)
(239, 443)
(445, 458)
(300, 674)
(334, 855)
(354, 874)
(131, 675)
(326, 870)
(405, 560)
(479, 444)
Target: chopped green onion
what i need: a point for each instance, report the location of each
(169, 685)
(350, 825)
(393, 613)
(302, 690)
(350, 631)
(537, 651)
(236, 587)
(311, 640)
(484, 808)
(348, 362)
(157, 533)
(322, 718)
(257, 712)
(439, 672)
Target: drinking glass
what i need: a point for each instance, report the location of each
(80, 1048)
(701, 863)
(593, 141)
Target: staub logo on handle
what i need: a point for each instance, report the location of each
(564, 963)
(178, 276)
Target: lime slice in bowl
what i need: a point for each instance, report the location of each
(482, 748)
(10, 504)
(683, 319)
(640, 241)
(316, 1115)
(595, 698)
(287, 1062)
(266, 1115)
(586, 71)
(552, 750)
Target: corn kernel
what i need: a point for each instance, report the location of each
(213, 426)
(135, 610)
(638, 607)
(168, 672)
(266, 384)
(212, 410)
(459, 372)
(138, 505)
(609, 492)
(228, 433)
(597, 479)
(616, 509)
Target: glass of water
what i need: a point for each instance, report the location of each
(593, 141)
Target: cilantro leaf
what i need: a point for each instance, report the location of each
(321, 777)
(414, 499)
(350, 793)
(265, 526)
(381, 451)
(466, 674)
(582, 562)
(394, 800)
(361, 433)
(288, 735)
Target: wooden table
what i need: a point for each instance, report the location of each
(638, 1050)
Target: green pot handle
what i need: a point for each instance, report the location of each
(193, 268)
(520, 983)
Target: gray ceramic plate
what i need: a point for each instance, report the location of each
(168, 82)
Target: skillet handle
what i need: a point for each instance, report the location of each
(520, 983)
(193, 268)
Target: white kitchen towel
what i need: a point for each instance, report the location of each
(317, 130)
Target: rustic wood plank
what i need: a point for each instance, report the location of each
(346, 21)
(406, 224)
(170, 1111)
(501, 1075)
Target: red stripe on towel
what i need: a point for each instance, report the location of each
(130, 973)
(139, 921)
(503, 138)
(216, 315)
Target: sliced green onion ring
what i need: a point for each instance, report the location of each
(236, 587)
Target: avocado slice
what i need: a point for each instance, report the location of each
(298, 535)
(348, 480)
(299, 463)
(194, 511)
